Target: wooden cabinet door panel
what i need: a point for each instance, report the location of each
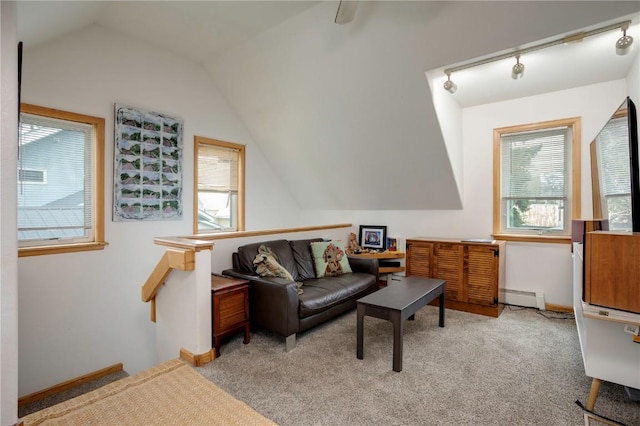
(482, 268)
(232, 310)
(448, 265)
(419, 257)
(611, 270)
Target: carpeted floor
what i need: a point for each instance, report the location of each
(523, 368)
(166, 394)
(70, 393)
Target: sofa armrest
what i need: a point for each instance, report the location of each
(236, 273)
(273, 302)
(367, 266)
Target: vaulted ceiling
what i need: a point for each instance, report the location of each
(344, 113)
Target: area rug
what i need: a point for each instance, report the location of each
(169, 393)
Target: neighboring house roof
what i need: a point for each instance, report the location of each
(205, 220)
(65, 215)
(72, 200)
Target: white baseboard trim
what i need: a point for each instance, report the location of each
(528, 299)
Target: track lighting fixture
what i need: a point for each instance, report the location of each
(449, 85)
(623, 46)
(518, 69)
(624, 43)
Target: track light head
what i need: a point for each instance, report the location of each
(449, 85)
(624, 43)
(518, 69)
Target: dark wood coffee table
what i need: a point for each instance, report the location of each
(397, 303)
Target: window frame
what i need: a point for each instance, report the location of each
(197, 140)
(98, 241)
(574, 123)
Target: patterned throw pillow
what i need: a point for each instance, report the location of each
(266, 265)
(330, 259)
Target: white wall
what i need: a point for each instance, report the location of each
(222, 249)
(80, 312)
(8, 222)
(356, 93)
(356, 97)
(633, 82)
(531, 267)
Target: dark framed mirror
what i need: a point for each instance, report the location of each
(614, 170)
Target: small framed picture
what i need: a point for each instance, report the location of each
(392, 244)
(373, 237)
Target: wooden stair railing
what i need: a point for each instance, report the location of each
(182, 259)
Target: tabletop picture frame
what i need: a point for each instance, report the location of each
(373, 237)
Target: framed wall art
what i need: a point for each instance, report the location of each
(373, 237)
(147, 165)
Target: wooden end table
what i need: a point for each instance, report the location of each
(229, 308)
(382, 256)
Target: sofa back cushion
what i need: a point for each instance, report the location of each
(330, 259)
(280, 248)
(302, 255)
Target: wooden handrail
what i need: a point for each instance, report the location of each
(182, 259)
(203, 238)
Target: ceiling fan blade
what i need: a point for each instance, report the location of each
(346, 11)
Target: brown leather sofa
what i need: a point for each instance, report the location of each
(274, 302)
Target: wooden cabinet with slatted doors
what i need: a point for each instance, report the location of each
(418, 257)
(474, 272)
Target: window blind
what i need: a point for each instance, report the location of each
(60, 206)
(217, 168)
(536, 165)
(613, 157)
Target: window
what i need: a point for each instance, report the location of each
(612, 166)
(537, 180)
(32, 176)
(60, 182)
(219, 186)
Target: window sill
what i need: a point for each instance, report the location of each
(552, 239)
(58, 249)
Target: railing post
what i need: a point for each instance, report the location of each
(183, 309)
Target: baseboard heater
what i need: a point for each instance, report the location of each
(529, 299)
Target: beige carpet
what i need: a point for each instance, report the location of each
(169, 393)
(524, 368)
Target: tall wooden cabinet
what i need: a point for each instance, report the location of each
(612, 268)
(474, 271)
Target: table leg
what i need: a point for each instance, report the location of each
(398, 328)
(359, 348)
(216, 344)
(247, 337)
(593, 394)
(441, 312)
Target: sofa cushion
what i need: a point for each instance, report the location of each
(329, 259)
(323, 293)
(281, 248)
(302, 255)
